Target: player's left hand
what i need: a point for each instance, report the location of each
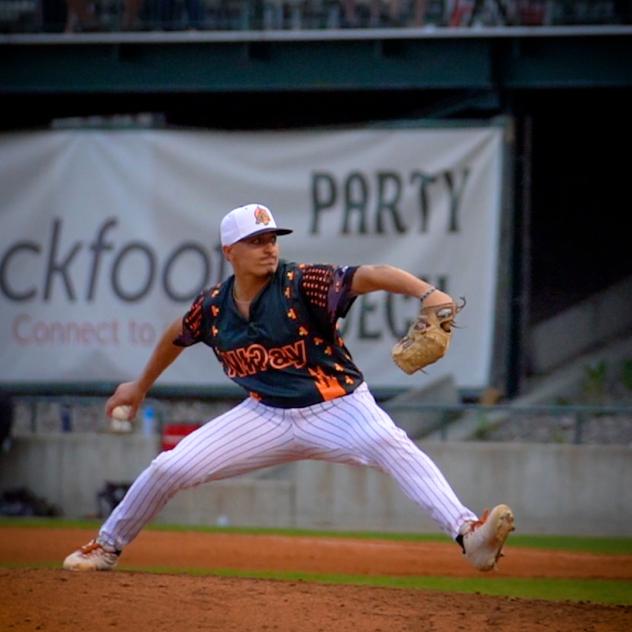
(428, 338)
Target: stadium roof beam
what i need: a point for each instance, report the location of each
(284, 61)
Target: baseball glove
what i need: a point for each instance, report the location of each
(427, 339)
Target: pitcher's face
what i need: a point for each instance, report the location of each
(256, 256)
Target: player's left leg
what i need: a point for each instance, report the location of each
(354, 429)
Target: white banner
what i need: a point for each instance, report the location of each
(105, 237)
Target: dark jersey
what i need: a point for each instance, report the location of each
(289, 354)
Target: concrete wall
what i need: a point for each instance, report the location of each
(69, 469)
(552, 488)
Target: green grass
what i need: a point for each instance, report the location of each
(592, 590)
(577, 544)
(580, 544)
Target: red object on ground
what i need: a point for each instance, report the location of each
(172, 434)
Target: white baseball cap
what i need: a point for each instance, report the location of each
(246, 221)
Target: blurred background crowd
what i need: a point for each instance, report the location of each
(74, 16)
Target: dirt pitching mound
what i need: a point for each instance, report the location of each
(56, 600)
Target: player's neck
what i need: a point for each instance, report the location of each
(246, 289)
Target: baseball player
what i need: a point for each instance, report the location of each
(272, 326)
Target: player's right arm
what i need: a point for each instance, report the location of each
(182, 333)
(164, 353)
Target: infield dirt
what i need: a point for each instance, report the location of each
(51, 599)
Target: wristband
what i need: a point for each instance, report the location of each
(426, 294)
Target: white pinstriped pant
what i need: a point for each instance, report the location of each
(351, 429)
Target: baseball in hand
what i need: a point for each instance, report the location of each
(122, 413)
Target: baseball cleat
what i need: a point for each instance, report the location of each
(92, 557)
(482, 540)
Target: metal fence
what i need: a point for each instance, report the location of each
(570, 424)
(72, 16)
(549, 423)
(45, 414)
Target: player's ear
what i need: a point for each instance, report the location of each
(227, 250)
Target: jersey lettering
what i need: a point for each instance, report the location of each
(255, 358)
(252, 358)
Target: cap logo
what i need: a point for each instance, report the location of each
(262, 216)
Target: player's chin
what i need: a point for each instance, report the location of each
(269, 266)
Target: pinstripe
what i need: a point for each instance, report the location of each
(256, 445)
(390, 465)
(416, 473)
(320, 431)
(438, 487)
(405, 479)
(351, 429)
(183, 466)
(341, 453)
(360, 423)
(147, 499)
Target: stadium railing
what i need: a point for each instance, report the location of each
(54, 16)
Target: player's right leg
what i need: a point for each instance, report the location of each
(245, 438)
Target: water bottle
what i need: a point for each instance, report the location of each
(149, 421)
(66, 418)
